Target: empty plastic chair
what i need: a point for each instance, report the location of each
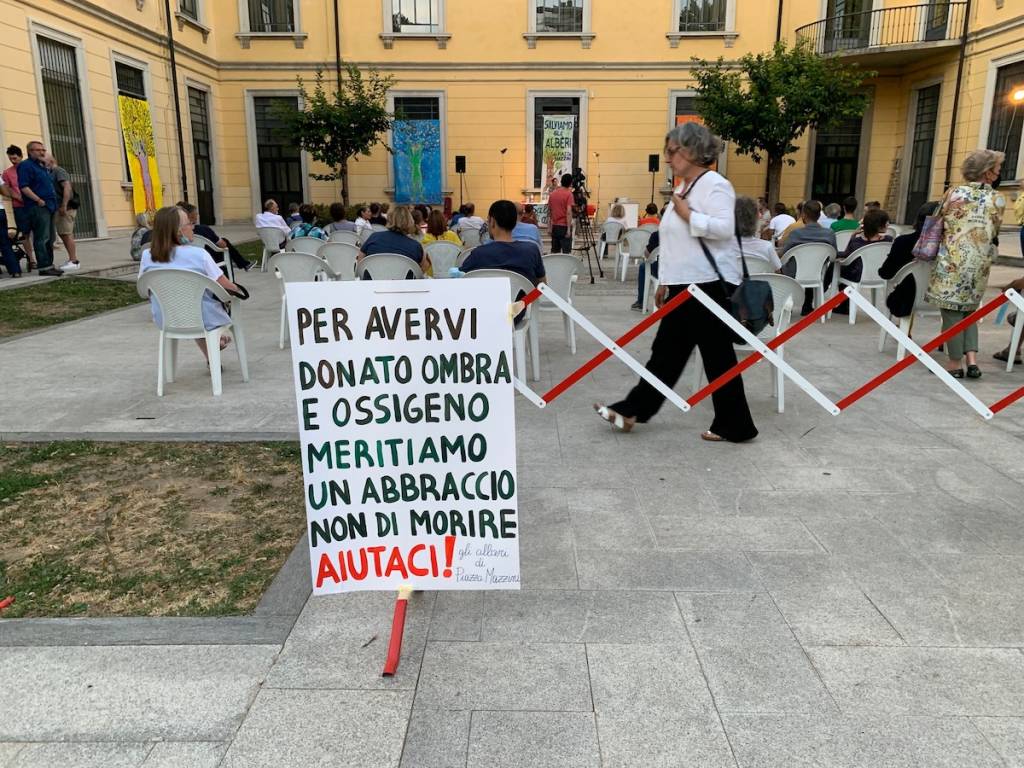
(388, 266)
(561, 269)
(296, 267)
(443, 256)
(341, 257)
(304, 245)
(180, 292)
(344, 236)
(524, 328)
(271, 238)
(651, 283)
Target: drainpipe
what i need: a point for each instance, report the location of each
(337, 43)
(177, 101)
(778, 23)
(956, 95)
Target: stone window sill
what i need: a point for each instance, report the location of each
(184, 21)
(299, 38)
(389, 38)
(585, 38)
(728, 37)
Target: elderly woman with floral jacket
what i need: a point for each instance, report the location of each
(971, 215)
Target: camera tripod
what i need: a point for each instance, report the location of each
(587, 243)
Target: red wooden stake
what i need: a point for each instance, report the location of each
(397, 628)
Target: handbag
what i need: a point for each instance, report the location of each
(751, 302)
(927, 246)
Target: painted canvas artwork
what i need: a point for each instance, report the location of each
(137, 128)
(417, 161)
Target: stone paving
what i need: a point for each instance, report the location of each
(844, 591)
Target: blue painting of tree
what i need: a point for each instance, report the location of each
(417, 161)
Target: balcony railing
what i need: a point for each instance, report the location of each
(904, 25)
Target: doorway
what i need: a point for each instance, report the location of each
(199, 115)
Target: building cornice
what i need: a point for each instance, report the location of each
(447, 66)
(995, 29)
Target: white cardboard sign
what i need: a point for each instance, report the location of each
(407, 424)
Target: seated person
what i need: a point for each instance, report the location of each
(170, 227)
(307, 227)
(204, 231)
(398, 238)
(271, 217)
(377, 215)
(901, 300)
(618, 215)
(650, 217)
(748, 225)
(420, 222)
(502, 252)
(780, 240)
(294, 217)
(810, 232)
(470, 220)
(527, 232)
(459, 214)
(875, 222)
(641, 273)
(362, 222)
(778, 222)
(141, 228)
(436, 230)
(338, 221)
(830, 214)
(849, 217)
(529, 215)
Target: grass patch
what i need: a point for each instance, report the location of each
(252, 250)
(145, 529)
(58, 301)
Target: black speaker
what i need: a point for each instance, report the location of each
(652, 163)
(460, 163)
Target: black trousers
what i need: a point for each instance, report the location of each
(687, 326)
(561, 240)
(237, 258)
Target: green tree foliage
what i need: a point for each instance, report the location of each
(336, 125)
(763, 106)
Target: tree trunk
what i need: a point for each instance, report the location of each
(774, 183)
(344, 182)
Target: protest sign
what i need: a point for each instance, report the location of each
(557, 150)
(407, 425)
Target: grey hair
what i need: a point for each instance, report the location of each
(698, 141)
(980, 162)
(746, 216)
(834, 211)
(142, 220)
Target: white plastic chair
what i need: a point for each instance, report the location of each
(308, 245)
(758, 266)
(561, 270)
(296, 267)
(388, 266)
(1018, 327)
(344, 236)
(811, 261)
(443, 256)
(871, 256)
(611, 234)
(652, 228)
(341, 257)
(271, 237)
(787, 293)
(922, 272)
(179, 292)
(463, 255)
(843, 238)
(631, 246)
(470, 237)
(524, 329)
(651, 283)
(378, 228)
(209, 245)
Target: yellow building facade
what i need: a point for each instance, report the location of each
(489, 73)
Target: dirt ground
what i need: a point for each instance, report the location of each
(145, 529)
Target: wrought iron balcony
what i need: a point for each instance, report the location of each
(897, 34)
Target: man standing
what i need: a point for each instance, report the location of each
(63, 224)
(560, 204)
(21, 211)
(40, 197)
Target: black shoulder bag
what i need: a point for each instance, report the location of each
(751, 302)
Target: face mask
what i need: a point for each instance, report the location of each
(998, 180)
(183, 240)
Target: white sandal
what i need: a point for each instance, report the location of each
(617, 420)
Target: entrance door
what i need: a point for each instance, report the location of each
(279, 161)
(849, 24)
(200, 118)
(922, 150)
(63, 99)
(836, 157)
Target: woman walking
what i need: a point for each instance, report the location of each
(971, 215)
(701, 216)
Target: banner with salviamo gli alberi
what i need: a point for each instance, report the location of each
(558, 134)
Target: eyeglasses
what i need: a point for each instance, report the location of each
(670, 151)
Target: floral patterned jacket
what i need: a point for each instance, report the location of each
(971, 215)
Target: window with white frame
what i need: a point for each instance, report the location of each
(271, 16)
(701, 16)
(1006, 128)
(559, 16)
(416, 16)
(189, 8)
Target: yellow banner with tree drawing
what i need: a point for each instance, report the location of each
(137, 129)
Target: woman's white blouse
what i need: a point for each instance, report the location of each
(712, 217)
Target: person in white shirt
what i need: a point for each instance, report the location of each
(748, 224)
(362, 222)
(779, 221)
(470, 220)
(271, 217)
(696, 236)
